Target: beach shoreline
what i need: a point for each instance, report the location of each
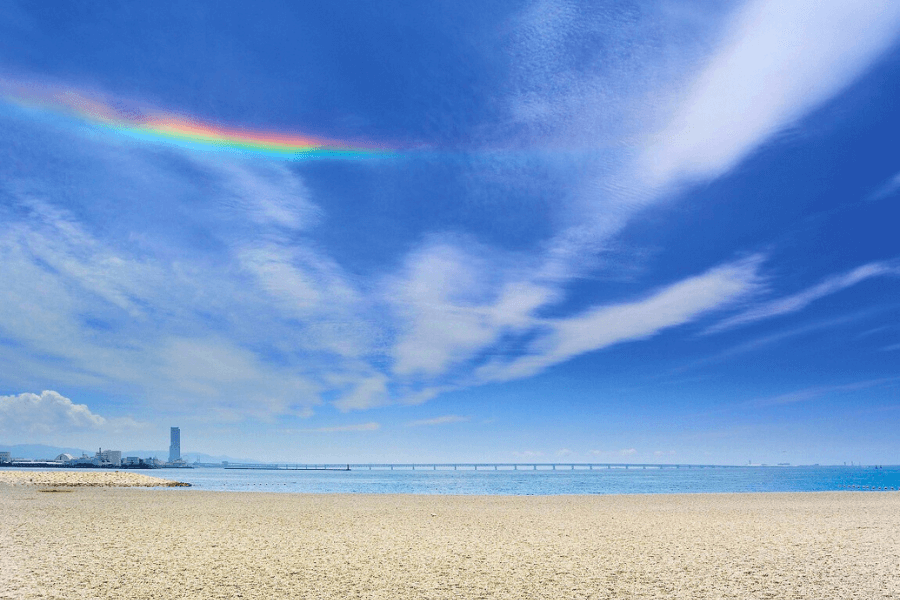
(145, 543)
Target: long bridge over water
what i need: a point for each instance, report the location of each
(461, 466)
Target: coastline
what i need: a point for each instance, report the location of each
(119, 542)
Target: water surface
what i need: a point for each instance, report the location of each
(543, 482)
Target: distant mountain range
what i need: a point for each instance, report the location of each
(44, 452)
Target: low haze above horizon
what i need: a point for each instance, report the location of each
(660, 231)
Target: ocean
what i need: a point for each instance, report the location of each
(543, 482)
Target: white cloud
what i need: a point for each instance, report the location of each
(528, 454)
(612, 454)
(814, 393)
(438, 299)
(888, 189)
(604, 326)
(216, 374)
(371, 426)
(444, 420)
(301, 281)
(776, 62)
(367, 392)
(310, 288)
(569, 91)
(759, 343)
(779, 61)
(270, 322)
(52, 413)
(799, 301)
(54, 248)
(202, 364)
(266, 191)
(424, 394)
(108, 321)
(274, 267)
(64, 293)
(453, 306)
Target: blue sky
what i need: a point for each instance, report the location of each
(611, 232)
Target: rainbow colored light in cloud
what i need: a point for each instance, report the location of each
(169, 128)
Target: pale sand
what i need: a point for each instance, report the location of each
(129, 543)
(85, 479)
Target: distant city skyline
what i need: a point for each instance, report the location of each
(522, 231)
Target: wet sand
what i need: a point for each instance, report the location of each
(139, 543)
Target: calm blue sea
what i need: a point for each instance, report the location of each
(541, 482)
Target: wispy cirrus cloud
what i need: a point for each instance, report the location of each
(267, 194)
(801, 300)
(624, 452)
(370, 426)
(113, 314)
(740, 99)
(605, 326)
(887, 189)
(208, 283)
(777, 62)
(365, 391)
(443, 420)
(817, 392)
(767, 341)
(453, 303)
(528, 454)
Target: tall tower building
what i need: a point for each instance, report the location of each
(175, 445)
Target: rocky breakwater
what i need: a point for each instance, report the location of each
(65, 479)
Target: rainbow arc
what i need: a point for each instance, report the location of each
(184, 131)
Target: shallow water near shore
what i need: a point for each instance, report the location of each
(542, 482)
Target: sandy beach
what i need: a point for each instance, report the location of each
(83, 542)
